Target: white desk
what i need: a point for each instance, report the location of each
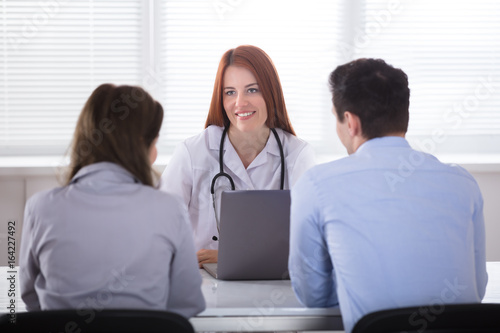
(258, 305)
(236, 306)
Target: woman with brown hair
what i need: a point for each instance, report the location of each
(248, 143)
(96, 242)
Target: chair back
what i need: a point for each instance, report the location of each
(95, 321)
(438, 318)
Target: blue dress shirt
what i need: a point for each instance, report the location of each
(386, 227)
(108, 241)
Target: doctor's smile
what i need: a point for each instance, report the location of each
(244, 115)
(243, 101)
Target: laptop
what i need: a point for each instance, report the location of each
(254, 236)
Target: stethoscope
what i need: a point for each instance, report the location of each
(223, 174)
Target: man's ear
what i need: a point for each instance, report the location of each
(353, 123)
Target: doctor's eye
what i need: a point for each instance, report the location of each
(253, 90)
(229, 92)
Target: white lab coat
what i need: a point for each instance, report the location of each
(196, 161)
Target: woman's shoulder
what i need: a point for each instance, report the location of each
(209, 137)
(299, 154)
(159, 204)
(46, 199)
(292, 142)
(160, 199)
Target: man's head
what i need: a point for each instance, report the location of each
(373, 95)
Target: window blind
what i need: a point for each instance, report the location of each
(299, 37)
(54, 54)
(450, 52)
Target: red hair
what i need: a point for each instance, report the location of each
(258, 62)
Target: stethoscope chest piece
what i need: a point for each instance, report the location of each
(223, 174)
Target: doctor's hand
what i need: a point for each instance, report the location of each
(206, 256)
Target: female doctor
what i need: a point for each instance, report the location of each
(248, 144)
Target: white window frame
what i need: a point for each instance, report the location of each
(152, 81)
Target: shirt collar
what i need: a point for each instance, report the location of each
(385, 141)
(215, 134)
(105, 171)
(272, 145)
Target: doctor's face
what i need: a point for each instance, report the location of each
(243, 102)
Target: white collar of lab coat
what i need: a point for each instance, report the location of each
(215, 134)
(231, 159)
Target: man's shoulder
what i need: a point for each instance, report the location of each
(406, 162)
(458, 172)
(433, 164)
(332, 169)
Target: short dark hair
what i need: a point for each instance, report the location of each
(374, 91)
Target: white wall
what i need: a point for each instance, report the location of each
(16, 188)
(14, 191)
(489, 182)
